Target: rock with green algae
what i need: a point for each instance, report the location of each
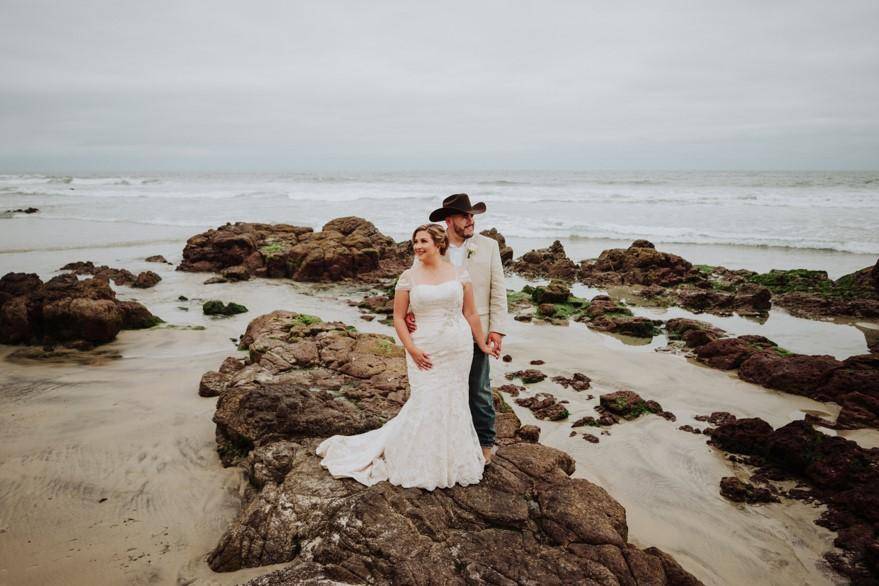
(216, 307)
(527, 521)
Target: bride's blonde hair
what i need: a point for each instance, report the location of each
(437, 234)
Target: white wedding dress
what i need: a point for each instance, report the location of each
(431, 443)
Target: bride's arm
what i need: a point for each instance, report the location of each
(472, 317)
(401, 308)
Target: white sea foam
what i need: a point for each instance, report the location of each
(825, 211)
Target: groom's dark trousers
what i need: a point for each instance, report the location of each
(481, 402)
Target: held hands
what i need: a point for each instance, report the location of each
(410, 322)
(421, 358)
(490, 349)
(495, 340)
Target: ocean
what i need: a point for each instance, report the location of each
(786, 218)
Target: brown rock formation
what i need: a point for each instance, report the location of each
(146, 279)
(745, 492)
(64, 310)
(348, 247)
(730, 353)
(838, 473)
(528, 521)
(118, 276)
(546, 263)
(506, 251)
(640, 264)
(627, 405)
(544, 406)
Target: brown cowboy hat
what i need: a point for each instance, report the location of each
(458, 203)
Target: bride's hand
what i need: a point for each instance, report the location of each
(421, 358)
(490, 350)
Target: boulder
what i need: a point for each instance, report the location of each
(628, 405)
(742, 436)
(528, 376)
(346, 248)
(146, 279)
(118, 276)
(730, 353)
(544, 406)
(744, 492)
(837, 472)
(217, 307)
(506, 251)
(546, 263)
(65, 310)
(527, 521)
(639, 264)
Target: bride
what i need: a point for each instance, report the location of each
(431, 442)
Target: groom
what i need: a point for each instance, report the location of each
(481, 256)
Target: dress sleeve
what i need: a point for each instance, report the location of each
(463, 275)
(404, 282)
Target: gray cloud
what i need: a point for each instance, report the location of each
(306, 85)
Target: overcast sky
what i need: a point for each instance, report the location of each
(298, 85)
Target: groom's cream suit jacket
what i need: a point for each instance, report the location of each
(482, 259)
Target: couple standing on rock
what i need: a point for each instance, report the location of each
(443, 306)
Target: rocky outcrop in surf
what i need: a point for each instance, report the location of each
(546, 263)
(831, 470)
(65, 310)
(528, 521)
(345, 248)
(143, 280)
(639, 264)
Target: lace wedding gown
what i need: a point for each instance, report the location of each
(431, 442)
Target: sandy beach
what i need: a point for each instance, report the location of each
(109, 473)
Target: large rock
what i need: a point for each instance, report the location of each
(506, 251)
(347, 247)
(118, 276)
(528, 521)
(640, 264)
(65, 310)
(838, 473)
(546, 263)
(852, 383)
(730, 353)
(808, 293)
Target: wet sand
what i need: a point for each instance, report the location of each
(132, 430)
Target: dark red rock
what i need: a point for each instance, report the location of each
(544, 406)
(528, 433)
(742, 436)
(512, 390)
(546, 263)
(716, 418)
(745, 492)
(590, 421)
(528, 376)
(626, 404)
(590, 438)
(578, 381)
(212, 384)
(346, 248)
(636, 265)
(730, 353)
(146, 279)
(800, 374)
(64, 310)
